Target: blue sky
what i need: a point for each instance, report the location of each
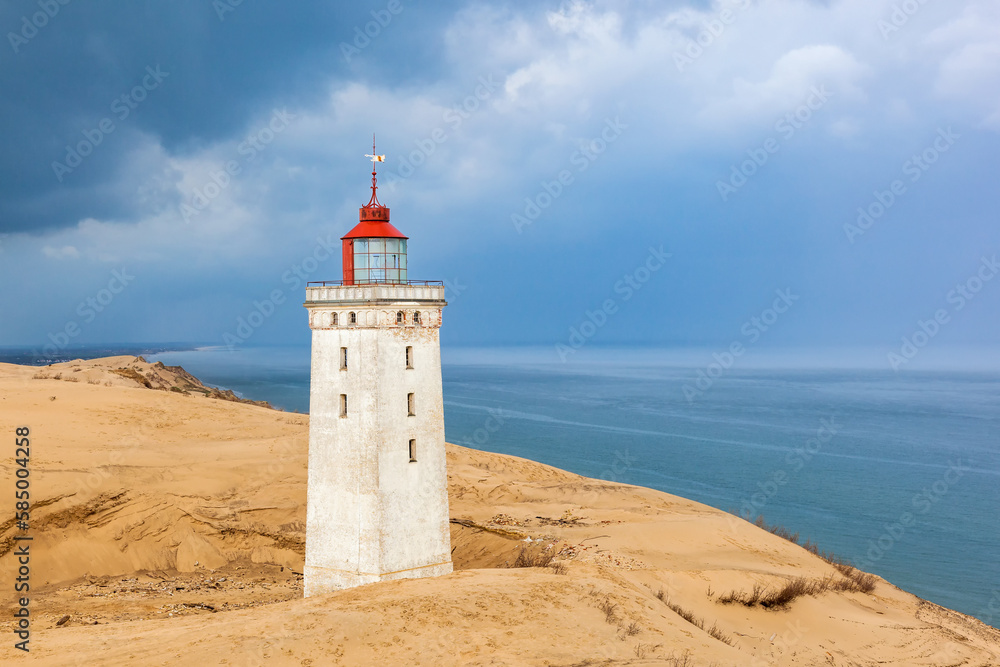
(542, 158)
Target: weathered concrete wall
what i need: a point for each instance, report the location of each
(372, 513)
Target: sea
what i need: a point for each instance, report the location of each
(897, 472)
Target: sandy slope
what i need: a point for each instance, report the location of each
(174, 521)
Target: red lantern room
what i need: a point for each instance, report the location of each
(374, 251)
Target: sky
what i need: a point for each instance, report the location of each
(763, 174)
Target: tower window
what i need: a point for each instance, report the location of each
(413, 451)
(343, 358)
(379, 260)
(400, 318)
(409, 356)
(410, 405)
(343, 405)
(416, 317)
(335, 319)
(352, 318)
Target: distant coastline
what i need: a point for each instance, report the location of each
(34, 356)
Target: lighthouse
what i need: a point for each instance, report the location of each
(377, 486)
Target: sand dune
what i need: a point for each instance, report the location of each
(169, 526)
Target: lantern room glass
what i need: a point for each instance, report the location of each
(379, 260)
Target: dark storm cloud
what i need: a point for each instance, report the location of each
(480, 108)
(66, 68)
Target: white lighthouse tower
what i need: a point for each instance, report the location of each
(377, 495)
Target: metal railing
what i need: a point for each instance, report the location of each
(341, 283)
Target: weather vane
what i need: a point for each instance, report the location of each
(375, 156)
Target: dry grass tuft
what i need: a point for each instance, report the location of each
(742, 597)
(779, 598)
(686, 615)
(610, 610)
(780, 531)
(855, 580)
(630, 630)
(642, 650)
(714, 631)
(808, 545)
(866, 582)
(683, 660)
(532, 558)
(791, 590)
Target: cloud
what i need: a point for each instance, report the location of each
(969, 70)
(790, 81)
(478, 106)
(562, 71)
(66, 251)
